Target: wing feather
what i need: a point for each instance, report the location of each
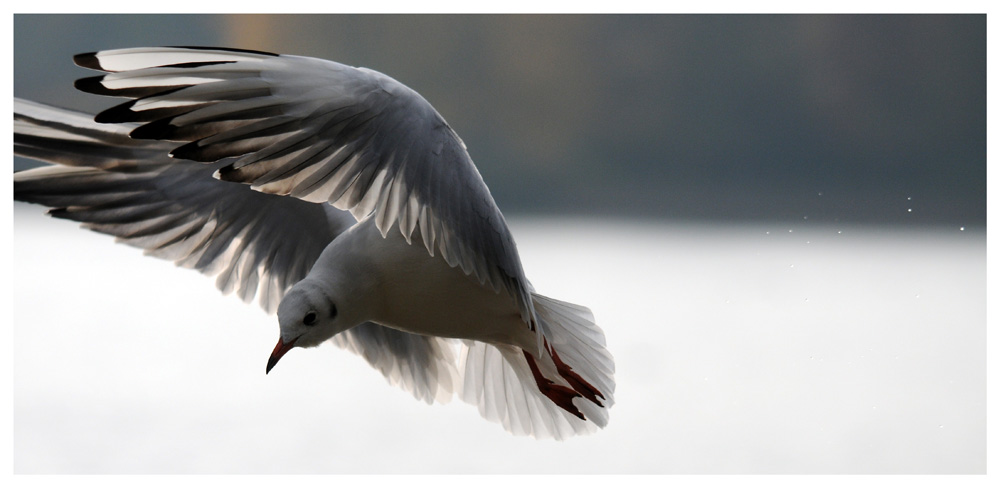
(132, 190)
(322, 132)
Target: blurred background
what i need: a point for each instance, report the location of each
(838, 118)
(779, 221)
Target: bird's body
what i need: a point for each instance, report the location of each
(235, 163)
(407, 289)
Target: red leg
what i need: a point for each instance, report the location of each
(560, 395)
(579, 384)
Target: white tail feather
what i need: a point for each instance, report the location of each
(499, 381)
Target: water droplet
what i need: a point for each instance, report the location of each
(940, 426)
(820, 193)
(789, 230)
(805, 217)
(768, 232)
(839, 232)
(909, 198)
(909, 210)
(961, 229)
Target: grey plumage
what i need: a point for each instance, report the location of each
(320, 131)
(133, 190)
(276, 174)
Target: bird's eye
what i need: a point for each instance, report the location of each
(310, 318)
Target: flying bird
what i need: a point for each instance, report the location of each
(337, 197)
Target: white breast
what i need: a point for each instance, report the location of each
(422, 294)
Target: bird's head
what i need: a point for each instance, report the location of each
(340, 292)
(308, 315)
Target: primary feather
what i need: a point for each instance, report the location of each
(133, 190)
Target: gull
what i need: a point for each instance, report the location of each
(337, 197)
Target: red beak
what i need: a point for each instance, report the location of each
(279, 351)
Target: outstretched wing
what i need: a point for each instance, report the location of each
(321, 132)
(425, 366)
(134, 191)
(256, 244)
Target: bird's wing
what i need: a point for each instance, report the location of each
(255, 243)
(423, 365)
(321, 132)
(134, 191)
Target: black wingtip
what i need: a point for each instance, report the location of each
(88, 60)
(58, 212)
(117, 114)
(228, 173)
(192, 151)
(230, 49)
(196, 64)
(92, 85)
(92, 61)
(157, 129)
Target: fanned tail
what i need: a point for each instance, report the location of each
(566, 392)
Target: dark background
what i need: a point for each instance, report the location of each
(828, 118)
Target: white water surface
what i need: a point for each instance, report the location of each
(755, 348)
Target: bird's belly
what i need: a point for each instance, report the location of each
(426, 296)
(457, 317)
